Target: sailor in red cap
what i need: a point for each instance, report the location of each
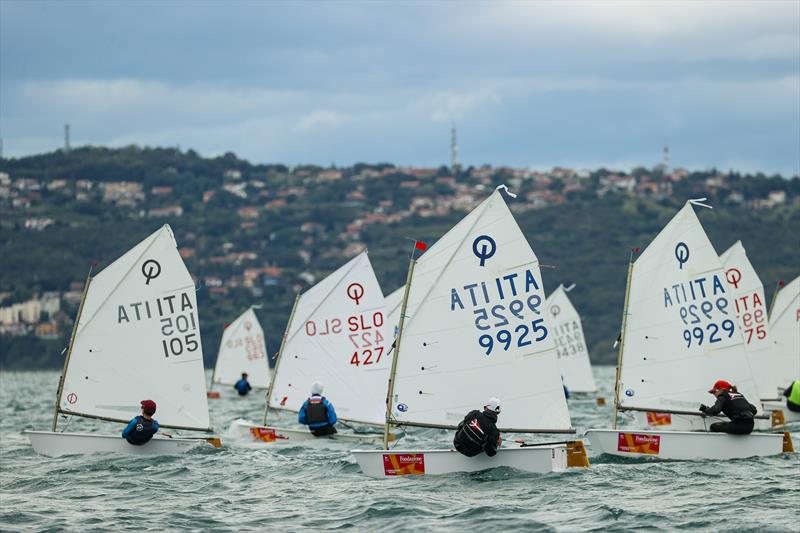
(142, 428)
(734, 405)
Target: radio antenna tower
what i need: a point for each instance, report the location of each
(454, 164)
(665, 160)
(66, 139)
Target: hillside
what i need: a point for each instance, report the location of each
(256, 233)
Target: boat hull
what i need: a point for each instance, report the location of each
(789, 417)
(393, 463)
(244, 430)
(53, 444)
(685, 445)
(655, 421)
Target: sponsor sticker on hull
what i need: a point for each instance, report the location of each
(404, 464)
(658, 419)
(265, 434)
(638, 443)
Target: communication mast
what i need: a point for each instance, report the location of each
(665, 159)
(455, 166)
(66, 138)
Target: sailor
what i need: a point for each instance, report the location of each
(734, 405)
(242, 386)
(792, 394)
(142, 428)
(318, 413)
(566, 390)
(478, 431)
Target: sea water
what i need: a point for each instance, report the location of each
(319, 486)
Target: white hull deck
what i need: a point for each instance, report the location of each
(686, 445)
(656, 421)
(244, 430)
(536, 459)
(53, 444)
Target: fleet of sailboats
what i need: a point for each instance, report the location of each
(680, 333)
(471, 322)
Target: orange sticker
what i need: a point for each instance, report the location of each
(404, 464)
(638, 443)
(658, 419)
(265, 434)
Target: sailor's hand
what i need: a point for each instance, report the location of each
(703, 408)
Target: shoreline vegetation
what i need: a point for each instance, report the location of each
(255, 233)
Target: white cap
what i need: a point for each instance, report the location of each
(316, 387)
(493, 405)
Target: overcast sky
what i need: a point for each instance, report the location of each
(528, 84)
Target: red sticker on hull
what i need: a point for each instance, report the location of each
(404, 464)
(638, 443)
(658, 419)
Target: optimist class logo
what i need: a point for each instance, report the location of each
(355, 291)
(734, 276)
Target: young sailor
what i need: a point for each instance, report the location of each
(792, 394)
(242, 386)
(734, 405)
(142, 428)
(478, 431)
(318, 413)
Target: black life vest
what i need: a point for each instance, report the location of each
(737, 407)
(142, 432)
(316, 411)
(474, 432)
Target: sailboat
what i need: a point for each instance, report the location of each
(473, 325)
(241, 349)
(680, 335)
(784, 324)
(136, 336)
(573, 356)
(337, 334)
(393, 303)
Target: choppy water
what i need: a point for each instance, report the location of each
(292, 488)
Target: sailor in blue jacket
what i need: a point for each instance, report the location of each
(142, 428)
(318, 413)
(243, 386)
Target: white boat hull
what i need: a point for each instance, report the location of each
(656, 421)
(244, 430)
(789, 417)
(392, 463)
(685, 445)
(53, 444)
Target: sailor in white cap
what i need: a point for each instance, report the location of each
(478, 432)
(318, 413)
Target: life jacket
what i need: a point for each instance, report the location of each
(142, 432)
(794, 396)
(737, 407)
(316, 411)
(242, 386)
(473, 433)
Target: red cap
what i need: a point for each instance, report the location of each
(149, 407)
(721, 384)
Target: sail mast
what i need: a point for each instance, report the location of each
(69, 350)
(278, 356)
(622, 341)
(390, 389)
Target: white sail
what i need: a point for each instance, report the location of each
(681, 333)
(475, 327)
(393, 305)
(784, 321)
(747, 294)
(573, 355)
(242, 349)
(339, 337)
(139, 338)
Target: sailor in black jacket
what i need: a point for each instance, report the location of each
(478, 431)
(735, 406)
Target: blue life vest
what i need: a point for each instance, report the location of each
(242, 386)
(142, 432)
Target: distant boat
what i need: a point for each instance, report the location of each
(473, 325)
(679, 335)
(337, 334)
(242, 349)
(784, 324)
(573, 355)
(136, 336)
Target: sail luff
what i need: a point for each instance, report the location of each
(69, 350)
(278, 356)
(622, 342)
